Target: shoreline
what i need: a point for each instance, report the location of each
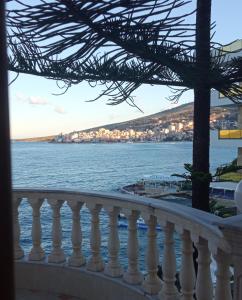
(159, 193)
(100, 142)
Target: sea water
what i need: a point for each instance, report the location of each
(100, 167)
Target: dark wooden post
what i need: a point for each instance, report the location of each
(6, 233)
(200, 188)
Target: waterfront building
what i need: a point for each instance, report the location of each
(179, 126)
(74, 135)
(233, 50)
(172, 127)
(59, 138)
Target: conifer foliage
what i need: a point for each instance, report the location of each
(123, 44)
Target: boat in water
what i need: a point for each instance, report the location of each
(123, 223)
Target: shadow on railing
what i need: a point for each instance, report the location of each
(212, 236)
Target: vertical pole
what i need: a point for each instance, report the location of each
(201, 180)
(6, 233)
(239, 157)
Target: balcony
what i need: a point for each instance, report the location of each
(78, 276)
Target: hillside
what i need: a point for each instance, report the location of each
(184, 110)
(36, 139)
(180, 113)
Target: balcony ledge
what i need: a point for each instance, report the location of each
(38, 280)
(48, 276)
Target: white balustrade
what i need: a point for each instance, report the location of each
(18, 251)
(133, 274)
(204, 289)
(95, 262)
(222, 237)
(187, 273)
(223, 288)
(76, 259)
(57, 254)
(232, 231)
(169, 290)
(37, 252)
(113, 267)
(151, 283)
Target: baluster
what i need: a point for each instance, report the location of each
(169, 291)
(151, 283)
(204, 289)
(187, 273)
(113, 267)
(77, 259)
(133, 274)
(232, 232)
(36, 253)
(223, 288)
(57, 254)
(95, 262)
(18, 251)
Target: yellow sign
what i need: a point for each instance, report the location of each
(230, 134)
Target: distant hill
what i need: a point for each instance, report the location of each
(147, 121)
(36, 139)
(176, 114)
(182, 112)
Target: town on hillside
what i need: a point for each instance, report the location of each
(175, 125)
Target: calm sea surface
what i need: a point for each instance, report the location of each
(101, 167)
(105, 167)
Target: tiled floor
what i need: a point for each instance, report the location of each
(35, 295)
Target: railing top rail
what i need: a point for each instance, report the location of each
(199, 223)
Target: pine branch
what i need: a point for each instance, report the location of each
(120, 44)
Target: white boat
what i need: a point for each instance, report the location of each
(123, 223)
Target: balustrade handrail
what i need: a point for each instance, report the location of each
(210, 234)
(183, 217)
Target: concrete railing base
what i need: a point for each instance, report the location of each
(73, 282)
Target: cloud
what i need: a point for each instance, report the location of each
(37, 100)
(21, 97)
(59, 109)
(34, 100)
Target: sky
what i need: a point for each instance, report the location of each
(36, 111)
